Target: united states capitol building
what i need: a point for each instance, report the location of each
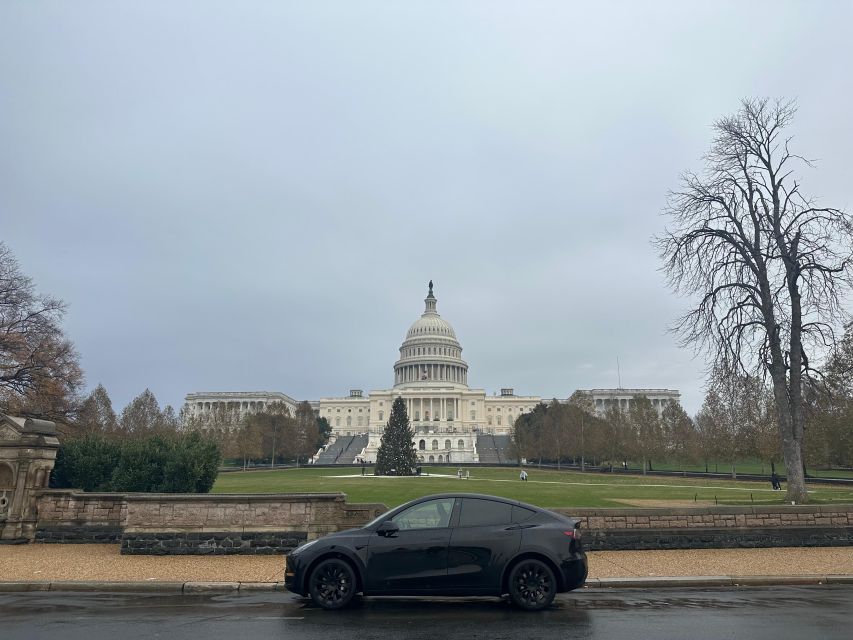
(452, 422)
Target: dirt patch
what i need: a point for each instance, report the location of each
(665, 503)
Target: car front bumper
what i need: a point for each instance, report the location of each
(292, 575)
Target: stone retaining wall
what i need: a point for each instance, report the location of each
(196, 523)
(716, 527)
(716, 517)
(275, 523)
(72, 516)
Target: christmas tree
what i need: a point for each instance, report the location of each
(397, 450)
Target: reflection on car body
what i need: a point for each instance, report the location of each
(449, 544)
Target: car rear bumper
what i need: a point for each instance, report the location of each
(574, 571)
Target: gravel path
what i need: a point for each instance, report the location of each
(102, 562)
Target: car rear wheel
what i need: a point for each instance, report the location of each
(332, 584)
(532, 585)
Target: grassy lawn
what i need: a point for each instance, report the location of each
(545, 488)
(747, 466)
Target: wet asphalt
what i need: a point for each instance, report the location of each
(802, 613)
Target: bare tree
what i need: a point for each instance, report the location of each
(305, 428)
(96, 414)
(39, 368)
(770, 266)
(679, 433)
(142, 416)
(646, 433)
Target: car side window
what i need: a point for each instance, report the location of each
(520, 514)
(431, 514)
(481, 513)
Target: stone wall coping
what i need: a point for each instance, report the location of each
(716, 510)
(199, 497)
(236, 497)
(225, 529)
(76, 493)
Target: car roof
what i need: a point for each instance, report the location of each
(476, 495)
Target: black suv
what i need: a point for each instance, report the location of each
(447, 545)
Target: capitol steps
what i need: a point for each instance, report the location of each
(494, 449)
(333, 451)
(353, 449)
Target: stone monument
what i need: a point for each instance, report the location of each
(27, 454)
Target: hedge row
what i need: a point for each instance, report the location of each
(180, 463)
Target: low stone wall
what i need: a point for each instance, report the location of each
(716, 527)
(182, 524)
(260, 524)
(73, 516)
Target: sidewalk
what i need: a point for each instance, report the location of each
(51, 565)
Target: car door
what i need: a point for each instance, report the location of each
(414, 558)
(481, 543)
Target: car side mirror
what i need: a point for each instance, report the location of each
(387, 529)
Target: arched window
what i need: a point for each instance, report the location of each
(422, 445)
(447, 444)
(440, 459)
(432, 458)
(358, 421)
(435, 445)
(349, 421)
(499, 420)
(460, 444)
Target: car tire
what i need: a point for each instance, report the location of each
(532, 585)
(332, 584)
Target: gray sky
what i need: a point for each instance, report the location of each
(253, 195)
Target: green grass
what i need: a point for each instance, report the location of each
(746, 466)
(545, 488)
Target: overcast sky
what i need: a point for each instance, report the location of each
(253, 195)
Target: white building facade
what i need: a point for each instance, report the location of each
(446, 415)
(235, 404)
(603, 399)
(430, 375)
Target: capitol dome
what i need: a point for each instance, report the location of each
(431, 354)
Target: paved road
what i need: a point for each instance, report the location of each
(774, 613)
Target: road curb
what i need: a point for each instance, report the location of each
(716, 581)
(637, 582)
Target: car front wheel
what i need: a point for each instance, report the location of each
(532, 585)
(332, 584)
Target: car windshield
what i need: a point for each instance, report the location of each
(378, 519)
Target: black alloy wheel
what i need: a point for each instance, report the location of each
(532, 585)
(332, 584)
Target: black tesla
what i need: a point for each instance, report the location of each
(448, 545)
